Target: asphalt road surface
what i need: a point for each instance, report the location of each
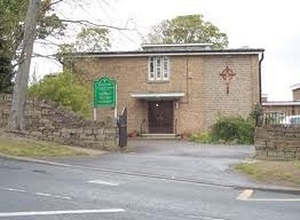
(97, 188)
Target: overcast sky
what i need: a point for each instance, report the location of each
(272, 25)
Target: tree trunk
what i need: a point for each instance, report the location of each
(17, 117)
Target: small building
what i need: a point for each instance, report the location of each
(296, 92)
(176, 88)
(283, 107)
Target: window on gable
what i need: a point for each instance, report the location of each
(159, 69)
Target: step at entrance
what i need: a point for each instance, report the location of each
(160, 136)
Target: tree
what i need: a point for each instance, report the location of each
(12, 23)
(9, 23)
(66, 89)
(187, 29)
(6, 69)
(12, 32)
(92, 39)
(17, 116)
(6, 76)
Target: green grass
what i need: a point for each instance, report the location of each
(278, 172)
(29, 148)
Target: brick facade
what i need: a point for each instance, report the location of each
(197, 75)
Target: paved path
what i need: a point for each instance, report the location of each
(174, 159)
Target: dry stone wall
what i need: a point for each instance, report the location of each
(51, 122)
(278, 141)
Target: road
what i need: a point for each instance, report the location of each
(100, 189)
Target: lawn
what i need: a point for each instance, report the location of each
(286, 173)
(23, 147)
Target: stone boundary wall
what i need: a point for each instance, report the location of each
(277, 141)
(51, 122)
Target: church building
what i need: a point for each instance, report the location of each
(176, 88)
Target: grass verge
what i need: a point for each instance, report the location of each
(286, 173)
(31, 148)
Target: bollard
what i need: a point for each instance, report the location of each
(122, 125)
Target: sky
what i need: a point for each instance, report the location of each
(272, 25)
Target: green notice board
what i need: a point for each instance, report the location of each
(105, 92)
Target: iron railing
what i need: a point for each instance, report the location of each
(142, 126)
(281, 118)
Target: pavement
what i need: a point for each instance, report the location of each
(175, 160)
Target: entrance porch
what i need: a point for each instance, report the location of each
(160, 113)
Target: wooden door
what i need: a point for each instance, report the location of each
(161, 117)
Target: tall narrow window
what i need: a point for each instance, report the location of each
(151, 68)
(166, 68)
(159, 69)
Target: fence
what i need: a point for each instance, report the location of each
(281, 118)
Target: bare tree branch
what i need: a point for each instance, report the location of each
(47, 42)
(43, 55)
(86, 22)
(53, 3)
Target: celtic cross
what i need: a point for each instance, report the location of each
(227, 75)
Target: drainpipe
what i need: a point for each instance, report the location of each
(187, 78)
(259, 73)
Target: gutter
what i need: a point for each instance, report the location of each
(259, 78)
(165, 53)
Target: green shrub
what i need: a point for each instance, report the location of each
(233, 129)
(228, 130)
(67, 90)
(201, 138)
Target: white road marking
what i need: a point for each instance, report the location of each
(43, 194)
(246, 196)
(103, 182)
(37, 193)
(64, 212)
(51, 195)
(62, 197)
(15, 190)
(209, 218)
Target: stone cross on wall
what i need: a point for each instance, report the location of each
(227, 75)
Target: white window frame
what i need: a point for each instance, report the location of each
(166, 69)
(151, 72)
(159, 69)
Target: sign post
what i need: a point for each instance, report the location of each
(105, 94)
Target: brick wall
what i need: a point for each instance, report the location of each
(48, 121)
(197, 76)
(277, 141)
